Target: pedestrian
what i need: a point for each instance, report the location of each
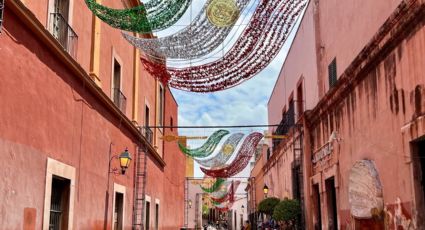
(247, 225)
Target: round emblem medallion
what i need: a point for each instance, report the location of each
(227, 149)
(222, 13)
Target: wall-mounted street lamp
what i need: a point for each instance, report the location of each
(125, 160)
(242, 208)
(265, 190)
(189, 203)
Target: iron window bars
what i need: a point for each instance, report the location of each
(1, 13)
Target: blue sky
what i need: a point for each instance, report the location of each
(245, 104)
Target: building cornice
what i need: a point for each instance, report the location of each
(29, 19)
(396, 28)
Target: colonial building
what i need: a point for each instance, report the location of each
(352, 92)
(74, 97)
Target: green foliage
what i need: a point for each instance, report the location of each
(287, 211)
(267, 205)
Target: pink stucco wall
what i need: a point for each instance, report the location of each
(299, 66)
(344, 27)
(48, 111)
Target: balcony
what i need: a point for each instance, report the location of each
(63, 33)
(119, 99)
(287, 122)
(147, 133)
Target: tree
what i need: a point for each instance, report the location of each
(267, 205)
(287, 213)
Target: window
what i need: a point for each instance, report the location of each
(148, 131)
(60, 28)
(161, 105)
(291, 112)
(300, 100)
(332, 73)
(117, 96)
(1, 13)
(118, 211)
(59, 203)
(148, 214)
(156, 216)
(171, 123)
(146, 116)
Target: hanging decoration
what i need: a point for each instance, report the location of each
(201, 37)
(222, 191)
(227, 206)
(255, 49)
(247, 150)
(227, 149)
(207, 148)
(222, 13)
(230, 194)
(214, 187)
(154, 16)
(170, 138)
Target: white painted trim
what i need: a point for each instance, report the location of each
(118, 189)
(63, 170)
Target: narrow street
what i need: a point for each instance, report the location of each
(212, 114)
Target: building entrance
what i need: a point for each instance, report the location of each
(418, 155)
(331, 204)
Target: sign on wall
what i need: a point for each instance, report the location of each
(365, 190)
(323, 152)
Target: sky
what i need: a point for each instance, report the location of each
(245, 104)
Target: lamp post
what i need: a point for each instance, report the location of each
(265, 190)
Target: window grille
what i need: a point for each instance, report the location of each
(59, 202)
(332, 73)
(1, 13)
(60, 29)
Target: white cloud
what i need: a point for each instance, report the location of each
(245, 104)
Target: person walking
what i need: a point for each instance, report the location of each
(247, 226)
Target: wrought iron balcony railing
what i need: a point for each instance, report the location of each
(287, 122)
(147, 132)
(63, 33)
(119, 99)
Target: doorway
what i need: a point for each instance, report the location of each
(331, 204)
(317, 209)
(118, 211)
(59, 203)
(418, 154)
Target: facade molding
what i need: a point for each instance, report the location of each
(29, 19)
(397, 27)
(57, 168)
